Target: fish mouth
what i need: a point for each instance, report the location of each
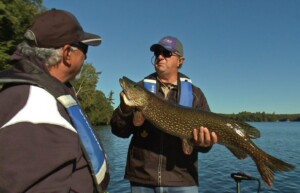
(123, 85)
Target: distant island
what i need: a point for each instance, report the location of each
(263, 117)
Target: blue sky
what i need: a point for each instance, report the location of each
(243, 54)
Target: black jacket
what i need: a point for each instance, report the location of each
(39, 147)
(154, 157)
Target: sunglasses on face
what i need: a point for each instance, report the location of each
(81, 46)
(164, 53)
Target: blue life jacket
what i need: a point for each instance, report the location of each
(94, 150)
(186, 91)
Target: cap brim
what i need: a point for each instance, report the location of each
(91, 39)
(154, 47)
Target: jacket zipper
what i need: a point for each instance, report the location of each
(160, 158)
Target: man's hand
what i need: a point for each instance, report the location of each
(124, 109)
(138, 118)
(204, 138)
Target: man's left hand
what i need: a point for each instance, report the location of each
(204, 138)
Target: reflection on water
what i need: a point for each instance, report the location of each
(279, 139)
(116, 150)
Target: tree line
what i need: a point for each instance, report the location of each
(97, 106)
(263, 117)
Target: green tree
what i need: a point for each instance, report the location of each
(97, 107)
(102, 109)
(110, 98)
(86, 84)
(15, 17)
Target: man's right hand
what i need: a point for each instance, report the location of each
(125, 110)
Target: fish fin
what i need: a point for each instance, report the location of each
(248, 130)
(268, 166)
(187, 146)
(237, 152)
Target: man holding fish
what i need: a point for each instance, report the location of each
(158, 161)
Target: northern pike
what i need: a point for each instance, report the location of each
(180, 121)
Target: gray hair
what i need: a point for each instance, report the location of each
(51, 56)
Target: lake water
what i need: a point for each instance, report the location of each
(280, 139)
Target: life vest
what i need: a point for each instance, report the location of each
(27, 72)
(186, 97)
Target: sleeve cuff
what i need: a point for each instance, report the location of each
(124, 114)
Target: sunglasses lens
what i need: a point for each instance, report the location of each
(167, 53)
(82, 47)
(164, 53)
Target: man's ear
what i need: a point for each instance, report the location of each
(67, 54)
(181, 61)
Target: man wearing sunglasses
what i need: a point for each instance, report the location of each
(156, 162)
(45, 139)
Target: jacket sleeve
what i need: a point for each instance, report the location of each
(121, 125)
(200, 101)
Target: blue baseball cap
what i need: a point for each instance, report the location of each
(169, 43)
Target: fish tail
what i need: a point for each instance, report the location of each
(269, 165)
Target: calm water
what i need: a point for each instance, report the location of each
(279, 139)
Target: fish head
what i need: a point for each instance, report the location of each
(134, 94)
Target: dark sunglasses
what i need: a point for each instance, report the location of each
(81, 46)
(164, 53)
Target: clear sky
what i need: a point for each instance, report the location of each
(243, 54)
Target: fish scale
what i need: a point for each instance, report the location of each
(180, 121)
